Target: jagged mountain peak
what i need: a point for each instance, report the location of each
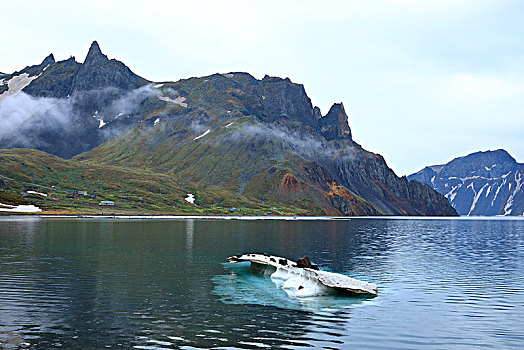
(95, 55)
(98, 72)
(50, 59)
(334, 125)
(273, 78)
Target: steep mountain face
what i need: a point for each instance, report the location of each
(481, 183)
(264, 139)
(231, 133)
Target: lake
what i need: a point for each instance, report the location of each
(96, 283)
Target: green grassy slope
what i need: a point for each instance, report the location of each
(134, 191)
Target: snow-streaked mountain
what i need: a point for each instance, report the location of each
(481, 183)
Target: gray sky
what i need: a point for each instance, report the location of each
(423, 81)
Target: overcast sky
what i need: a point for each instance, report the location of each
(422, 81)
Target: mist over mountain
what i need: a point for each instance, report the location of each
(259, 138)
(481, 183)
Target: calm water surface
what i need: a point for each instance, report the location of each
(163, 284)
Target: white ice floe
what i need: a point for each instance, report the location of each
(180, 100)
(204, 134)
(156, 121)
(304, 281)
(38, 193)
(102, 123)
(19, 208)
(190, 198)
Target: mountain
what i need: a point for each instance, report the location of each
(227, 134)
(264, 139)
(481, 183)
(66, 107)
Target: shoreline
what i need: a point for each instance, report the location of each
(254, 217)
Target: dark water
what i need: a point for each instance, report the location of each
(161, 284)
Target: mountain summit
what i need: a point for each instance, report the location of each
(334, 124)
(99, 72)
(95, 55)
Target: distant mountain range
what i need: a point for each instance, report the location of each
(481, 183)
(231, 133)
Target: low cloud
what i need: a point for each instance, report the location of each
(23, 116)
(25, 120)
(302, 143)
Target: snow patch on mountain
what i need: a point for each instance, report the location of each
(451, 194)
(509, 203)
(19, 208)
(204, 134)
(37, 193)
(180, 100)
(190, 198)
(476, 198)
(17, 83)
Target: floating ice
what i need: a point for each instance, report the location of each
(243, 286)
(302, 280)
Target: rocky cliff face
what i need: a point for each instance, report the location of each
(264, 139)
(482, 183)
(334, 125)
